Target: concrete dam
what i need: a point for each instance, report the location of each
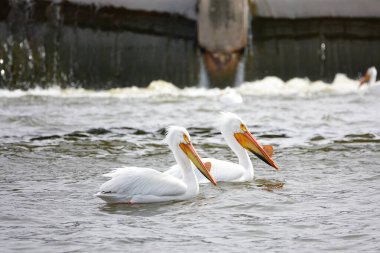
(104, 44)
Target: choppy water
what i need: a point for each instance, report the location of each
(55, 144)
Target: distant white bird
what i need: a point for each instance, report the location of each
(370, 78)
(144, 185)
(239, 139)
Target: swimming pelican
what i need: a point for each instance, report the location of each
(239, 139)
(370, 77)
(144, 185)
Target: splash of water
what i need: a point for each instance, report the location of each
(269, 86)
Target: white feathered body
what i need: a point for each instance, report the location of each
(222, 171)
(143, 185)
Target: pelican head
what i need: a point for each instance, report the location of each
(233, 125)
(370, 76)
(179, 137)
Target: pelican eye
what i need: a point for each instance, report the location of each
(243, 127)
(186, 138)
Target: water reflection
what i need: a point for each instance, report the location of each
(161, 208)
(269, 185)
(146, 210)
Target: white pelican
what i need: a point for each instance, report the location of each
(370, 78)
(239, 139)
(144, 185)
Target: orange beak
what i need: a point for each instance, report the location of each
(364, 79)
(248, 142)
(189, 150)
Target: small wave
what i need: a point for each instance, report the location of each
(301, 87)
(269, 86)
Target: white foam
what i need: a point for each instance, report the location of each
(230, 97)
(269, 86)
(161, 85)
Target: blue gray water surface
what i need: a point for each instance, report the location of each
(325, 198)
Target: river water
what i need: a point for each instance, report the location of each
(55, 144)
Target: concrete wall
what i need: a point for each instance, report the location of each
(223, 25)
(291, 9)
(99, 46)
(91, 46)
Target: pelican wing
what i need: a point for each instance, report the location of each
(220, 170)
(132, 181)
(224, 170)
